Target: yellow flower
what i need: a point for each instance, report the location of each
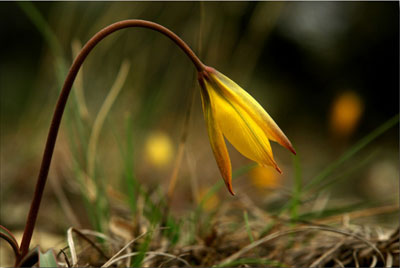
(159, 149)
(264, 178)
(211, 202)
(346, 112)
(231, 112)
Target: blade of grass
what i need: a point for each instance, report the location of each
(55, 47)
(352, 151)
(346, 156)
(80, 96)
(181, 147)
(41, 24)
(56, 185)
(79, 177)
(151, 253)
(333, 211)
(367, 212)
(248, 229)
(182, 143)
(267, 228)
(347, 172)
(108, 263)
(9, 237)
(172, 230)
(329, 182)
(72, 116)
(102, 114)
(244, 261)
(71, 245)
(101, 236)
(296, 192)
(100, 200)
(143, 248)
(132, 185)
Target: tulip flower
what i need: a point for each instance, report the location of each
(230, 112)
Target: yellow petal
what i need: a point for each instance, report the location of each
(239, 128)
(216, 139)
(243, 99)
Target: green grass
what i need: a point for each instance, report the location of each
(333, 173)
(131, 183)
(297, 188)
(351, 152)
(251, 261)
(248, 229)
(143, 248)
(78, 131)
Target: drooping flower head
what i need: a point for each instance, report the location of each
(230, 112)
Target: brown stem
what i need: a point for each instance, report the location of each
(62, 100)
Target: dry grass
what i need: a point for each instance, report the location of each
(226, 243)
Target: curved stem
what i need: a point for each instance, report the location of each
(62, 100)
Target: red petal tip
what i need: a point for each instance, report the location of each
(290, 147)
(278, 169)
(229, 186)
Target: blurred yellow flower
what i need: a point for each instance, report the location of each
(231, 112)
(211, 202)
(346, 112)
(159, 149)
(264, 177)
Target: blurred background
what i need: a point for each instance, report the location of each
(327, 72)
